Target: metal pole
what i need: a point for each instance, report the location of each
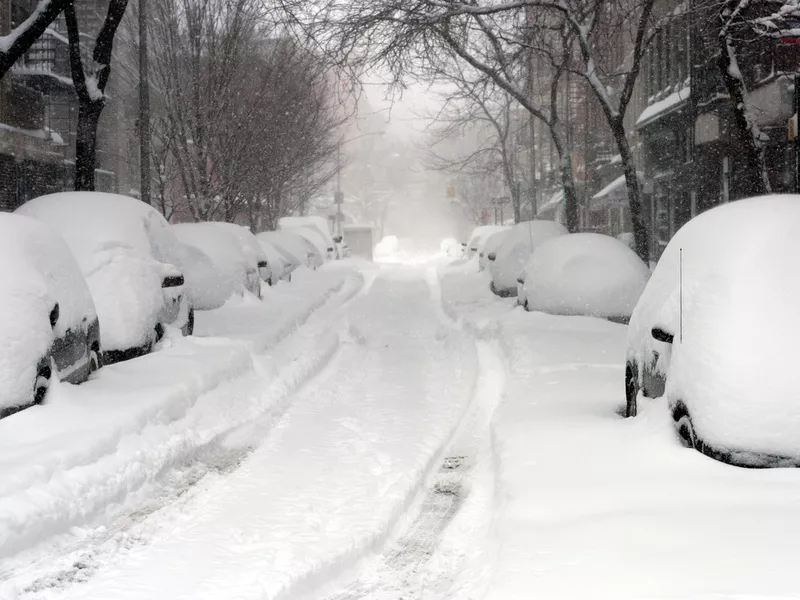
(339, 188)
(144, 107)
(796, 136)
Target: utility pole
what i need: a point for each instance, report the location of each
(144, 107)
(339, 196)
(796, 136)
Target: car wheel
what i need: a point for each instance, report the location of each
(43, 374)
(631, 389)
(158, 333)
(684, 426)
(188, 329)
(95, 360)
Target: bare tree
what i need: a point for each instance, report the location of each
(90, 82)
(23, 36)
(496, 38)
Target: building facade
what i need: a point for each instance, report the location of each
(39, 114)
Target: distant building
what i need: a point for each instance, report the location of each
(39, 116)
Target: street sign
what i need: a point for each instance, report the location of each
(338, 197)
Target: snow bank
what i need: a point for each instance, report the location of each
(225, 252)
(389, 246)
(584, 274)
(124, 247)
(516, 249)
(590, 505)
(451, 247)
(38, 272)
(739, 322)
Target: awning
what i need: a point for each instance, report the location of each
(663, 107)
(549, 208)
(615, 192)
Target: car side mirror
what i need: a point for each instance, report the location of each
(54, 315)
(662, 335)
(521, 280)
(492, 256)
(463, 244)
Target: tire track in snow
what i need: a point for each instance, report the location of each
(405, 570)
(313, 347)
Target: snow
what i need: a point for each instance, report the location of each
(490, 244)
(451, 247)
(281, 520)
(38, 272)
(315, 241)
(124, 248)
(590, 505)
(251, 249)
(317, 223)
(389, 246)
(479, 235)
(280, 264)
(661, 107)
(584, 274)
(736, 298)
(225, 252)
(514, 252)
(293, 246)
(207, 287)
(140, 431)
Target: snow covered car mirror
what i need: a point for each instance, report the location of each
(54, 315)
(660, 335)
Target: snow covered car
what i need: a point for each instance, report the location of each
(281, 264)
(488, 250)
(293, 248)
(130, 260)
(715, 333)
(479, 236)
(317, 224)
(205, 285)
(49, 319)
(315, 242)
(238, 274)
(251, 249)
(513, 254)
(583, 274)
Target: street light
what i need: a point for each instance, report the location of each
(339, 195)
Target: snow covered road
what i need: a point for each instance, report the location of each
(319, 479)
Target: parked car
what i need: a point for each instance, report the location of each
(251, 249)
(280, 264)
(48, 324)
(583, 274)
(239, 274)
(293, 247)
(508, 262)
(715, 333)
(206, 286)
(317, 224)
(314, 242)
(478, 237)
(131, 261)
(489, 247)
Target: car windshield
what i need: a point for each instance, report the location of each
(399, 300)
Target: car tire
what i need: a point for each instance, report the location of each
(631, 389)
(43, 375)
(188, 329)
(684, 426)
(95, 360)
(158, 334)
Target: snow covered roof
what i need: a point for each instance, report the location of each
(556, 201)
(663, 107)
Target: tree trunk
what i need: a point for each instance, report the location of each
(568, 183)
(86, 145)
(634, 190)
(756, 177)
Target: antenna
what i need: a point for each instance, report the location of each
(680, 292)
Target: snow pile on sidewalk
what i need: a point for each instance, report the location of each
(591, 505)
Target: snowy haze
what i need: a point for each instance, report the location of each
(388, 181)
